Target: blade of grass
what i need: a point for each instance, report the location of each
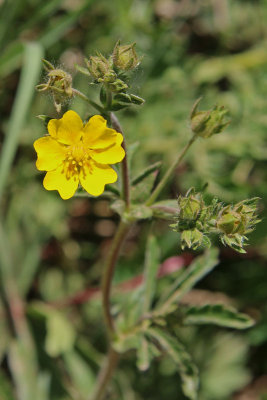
(54, 33)
(29, 75)
(8, 10)
(11, 58)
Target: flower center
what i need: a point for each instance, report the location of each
(77, 158)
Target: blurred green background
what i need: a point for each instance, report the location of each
(51, 251)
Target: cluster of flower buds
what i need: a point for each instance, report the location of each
(196, 221)
(235, 221)
(59, 83)
(208, 123)
(112, 74)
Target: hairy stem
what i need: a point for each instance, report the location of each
(84, 97)
(169, 172)
(105, 374)
(112, 258)
(125, 171)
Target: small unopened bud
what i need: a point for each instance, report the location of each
(191, 239)
(208, 123)
(190, 207)
(228, 223)
(98, 66)
(125, 57)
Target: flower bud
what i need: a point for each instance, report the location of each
(59, 83)
(98, 66)
(208, 123)
(191, 239)
(228, 223)
(125, 57)
(190, 207)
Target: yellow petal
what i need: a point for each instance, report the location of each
(50, 153)
(56, 180)
(68, 129)
(97, 135)
(110, 155)
(95, 176)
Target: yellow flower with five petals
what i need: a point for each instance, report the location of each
(75, 153)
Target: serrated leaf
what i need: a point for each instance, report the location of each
(218, 314)
(200, 267)
(185, 366)
(150, 273)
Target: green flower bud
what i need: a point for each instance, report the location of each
(208, 123)
(191, 239)
(98, 66)
(125, 57)
(234, 222)
(228, 223)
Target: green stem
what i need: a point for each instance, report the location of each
(112, 258)
(84, 97)
(109, 100)
(125, 171)
(110, 364)
(169, 172)
(105, 374)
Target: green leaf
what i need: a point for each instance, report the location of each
(146, 351)
(140, 211)
(60, 334)
(166, 209)
(5, 387)
(147, 171)
(225, 370)
(4, 331)
(200, 267)
(141, 191)
(150, 273)
(143, 360)
(29, 75)
(22, 364)
(131, 150)
(82, 70)
(80, 372)
(185, 366)
(217, 314)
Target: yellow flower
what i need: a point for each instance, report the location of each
(75, 154)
